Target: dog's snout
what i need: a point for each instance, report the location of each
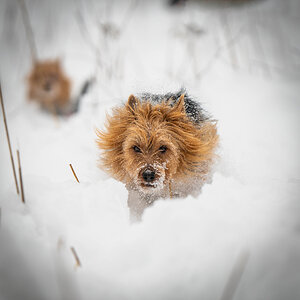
(148, 175)
(47, 86)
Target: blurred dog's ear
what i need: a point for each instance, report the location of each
(179, 105)
(57, 61)
(57, 64)
(132, 103)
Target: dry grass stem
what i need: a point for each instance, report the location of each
(228, 37)
(74, 173)
(78, 263)
(219, 50)
(235, 276)
(8, 141)
(28, 29)
(20, 177)
(258, 47)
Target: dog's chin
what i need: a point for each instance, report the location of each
(150, 188)
(148, 185)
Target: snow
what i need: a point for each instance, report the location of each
(184, 248)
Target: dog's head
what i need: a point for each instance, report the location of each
(46, 81)
(147, 145)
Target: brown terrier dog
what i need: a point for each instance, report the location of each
(160, 146)
(49, 86)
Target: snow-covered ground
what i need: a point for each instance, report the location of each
(243, 64)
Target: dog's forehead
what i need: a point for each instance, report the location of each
(150, 141)
(149, 127)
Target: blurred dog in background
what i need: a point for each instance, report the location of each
(49, 86)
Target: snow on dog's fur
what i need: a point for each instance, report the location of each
(160, 146)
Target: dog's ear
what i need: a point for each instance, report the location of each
(57, 64)
(132, 103)
(57, 61)
(179, 105)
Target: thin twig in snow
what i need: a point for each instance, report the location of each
(8, 141)
(28, 29)
(129, 13)
(74, 173)
(219, 51)
(256, 41)
(235, 276)
(78, 263)
(228, 37)
(20, 177)
(108, 63)
(84, 31)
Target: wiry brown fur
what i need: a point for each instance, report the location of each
(190, 146)
(48, 85)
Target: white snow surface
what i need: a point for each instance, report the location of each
(183, 248)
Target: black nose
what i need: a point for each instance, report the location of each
(148, 175)
(47, 86)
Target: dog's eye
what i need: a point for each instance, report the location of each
(163, 149)
(136, 149)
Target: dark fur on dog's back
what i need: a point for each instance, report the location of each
(193, 109)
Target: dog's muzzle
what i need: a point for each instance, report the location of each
(148, 175)
(150, 179)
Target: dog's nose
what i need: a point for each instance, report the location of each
(148, 175)
(47, 86)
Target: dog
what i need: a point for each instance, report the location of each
(160, 146)
(49, 86)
